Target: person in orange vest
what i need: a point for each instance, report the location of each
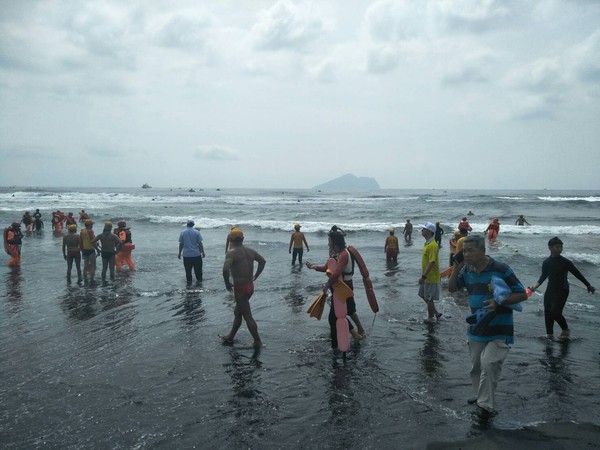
(464, 223)
(70, 220)
(12, 243)
(124, 255)
(391, 247)
(493, 229)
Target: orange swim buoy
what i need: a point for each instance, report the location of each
(371, 298)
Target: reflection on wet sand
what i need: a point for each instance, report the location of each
(190, 309)
(13, 284)
(430, 357)
(557, 367)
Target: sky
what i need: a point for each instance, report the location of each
(440, 94)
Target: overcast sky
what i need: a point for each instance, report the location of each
(290, 94)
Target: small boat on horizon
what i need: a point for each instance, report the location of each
(146, 186)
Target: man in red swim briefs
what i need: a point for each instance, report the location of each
(239, 261)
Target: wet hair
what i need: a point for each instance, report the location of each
(554, 241)
(463, 231)
(476, 239)
(336, 234)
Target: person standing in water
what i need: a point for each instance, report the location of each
(298, 240)
(343, 270)
(88, 250)
(521, 221)
(439, 232)
(72, 251)
(239, 264)
(13, 239)
(391, 247)
(190, 244)
(429, 283)
(408, 229)
(556, 268)
(109, 245)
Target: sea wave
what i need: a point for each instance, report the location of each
(570, 199)
(318, 226)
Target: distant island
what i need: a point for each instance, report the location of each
(349, 182)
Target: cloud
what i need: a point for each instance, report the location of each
(541, 75)
(22, 151)
(322, 72)
(382, 59)
(475, 16)
(585, 59)
(393, 21)
(216, 152)
(188, 32)
(287, 26)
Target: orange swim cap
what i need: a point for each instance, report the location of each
(236, 233)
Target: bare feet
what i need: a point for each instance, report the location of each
(564, 335)
(356, 335)
(226, 339)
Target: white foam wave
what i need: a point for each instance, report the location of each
(541, 229)
(570, 199)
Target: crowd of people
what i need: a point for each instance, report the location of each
(490, 328)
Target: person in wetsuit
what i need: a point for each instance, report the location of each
(556, 268)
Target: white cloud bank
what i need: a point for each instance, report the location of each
(293, 93)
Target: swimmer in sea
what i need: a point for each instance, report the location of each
(239, 262)
(521, 221)
(408, 229)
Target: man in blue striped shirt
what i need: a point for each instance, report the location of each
(488, 345)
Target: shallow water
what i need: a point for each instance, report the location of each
(138, 364)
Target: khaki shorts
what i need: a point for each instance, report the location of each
(429, 291)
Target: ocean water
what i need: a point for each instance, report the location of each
(138, 364)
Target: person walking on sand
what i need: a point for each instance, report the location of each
(429, 283)
(408, 229)
(391, 247)
(556, 268)
(72, 251)
(190, 244)
(109, 246)
(297, 240)
(488, 343)
(239, 263)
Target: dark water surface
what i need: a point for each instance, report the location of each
(138, 364)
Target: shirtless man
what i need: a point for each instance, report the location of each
(239, 261)
(110, 245)
(72, 252)
(521, 221)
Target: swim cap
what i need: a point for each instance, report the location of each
(72, 227)
(122, 224)
(88, 222)
(554, 241)
(108, 223)
(297, 226)
(495, 220)
(391, 230)
(236, 234)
